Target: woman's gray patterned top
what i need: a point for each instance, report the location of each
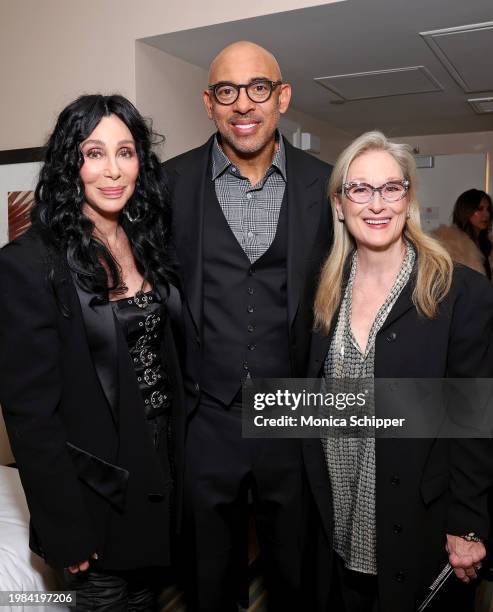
(351, 461)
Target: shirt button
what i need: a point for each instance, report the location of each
(392, 337)
(233, 169)
(245, 365)
(395, 481)
(249, 196)
(400, 576)
(250, 308)
(397, 528)
(250, 291)
(251, 271)
(250, 234)
(251, 347)
(250, 328)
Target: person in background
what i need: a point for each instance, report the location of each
(252, 227)
(90, 381)
(390, 304)
(468, 240)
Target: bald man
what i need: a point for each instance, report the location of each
(252, 228)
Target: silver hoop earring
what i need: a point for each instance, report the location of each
(129, 216)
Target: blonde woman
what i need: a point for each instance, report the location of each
(391, 305)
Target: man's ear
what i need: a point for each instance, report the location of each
(206, 97)
(284, 97)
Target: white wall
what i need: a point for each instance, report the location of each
(55, 50)
(332, 139)
(456, 144)
(439, 187)
(170, 91)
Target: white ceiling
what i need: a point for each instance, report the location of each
(380, 63)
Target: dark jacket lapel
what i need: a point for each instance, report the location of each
(303, 200)
(100, 327)
(403, 303)
(188, 206)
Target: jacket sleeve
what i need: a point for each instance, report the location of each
(470, 356)
(30, 392)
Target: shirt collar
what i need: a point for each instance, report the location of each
(220, 161)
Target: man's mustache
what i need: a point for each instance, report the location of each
(247, 117)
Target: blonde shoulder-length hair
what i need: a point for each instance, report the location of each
(434, 266)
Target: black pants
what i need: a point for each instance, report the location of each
(115, 591)
(221, 468)
(352, 591)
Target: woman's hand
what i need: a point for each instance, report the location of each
(465, 557)
(83, 566)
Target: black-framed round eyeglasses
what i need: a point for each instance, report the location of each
(258, 91)
(362, 193)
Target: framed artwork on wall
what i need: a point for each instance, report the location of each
(19, 169)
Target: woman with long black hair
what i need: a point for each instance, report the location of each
(90, 383)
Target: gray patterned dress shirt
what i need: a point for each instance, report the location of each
(351, 461)
(252, 211)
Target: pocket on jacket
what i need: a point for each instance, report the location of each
(108, 480)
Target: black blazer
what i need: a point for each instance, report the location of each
(72, 405)
(428, 487)
(309, 240)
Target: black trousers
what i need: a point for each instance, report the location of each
(115, 591)
(352, 591)
(221, 468)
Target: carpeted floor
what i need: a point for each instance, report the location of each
(171, 599)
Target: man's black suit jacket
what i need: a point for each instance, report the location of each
(309, 240)
(426, 487)
(71, 403)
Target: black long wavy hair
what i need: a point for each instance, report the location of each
(466, 205)
(59, 196)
